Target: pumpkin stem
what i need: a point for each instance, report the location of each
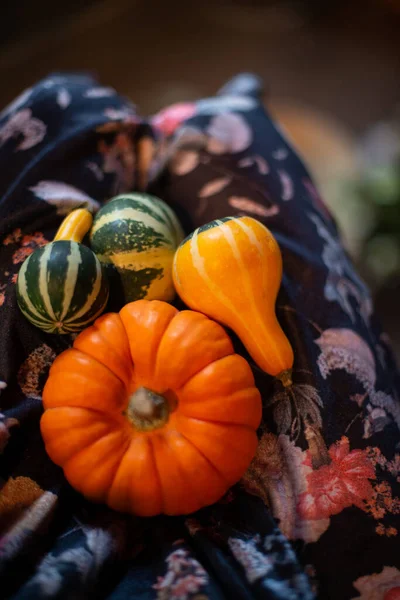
(285, 377)
(147, 410)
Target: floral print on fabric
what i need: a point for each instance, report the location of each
(185, 576)
(317, 514)
(379, 586)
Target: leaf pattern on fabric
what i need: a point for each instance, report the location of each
(23, 124)
(33, 371)
(259, 161)
(278, 475)
(287, 188)
(184, 162)
(342, 282)
(296, 406)
(379, 586)
(250, 206)
(228, 133)
(63, 196)
(214, 186)
(63, 98)
(185, 576)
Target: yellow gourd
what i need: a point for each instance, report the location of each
(231, 270)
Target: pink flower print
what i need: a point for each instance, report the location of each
(169, 119)
(335, 486)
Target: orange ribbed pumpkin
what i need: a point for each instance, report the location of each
(231, 270)
(151, 411)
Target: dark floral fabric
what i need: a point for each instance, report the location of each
(317, 515)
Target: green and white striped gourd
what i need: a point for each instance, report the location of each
(135, 236)
(61, 287)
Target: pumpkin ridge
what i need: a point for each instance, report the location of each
(189, 403)
(100, 459)
(180, 469)
(205, 457)
(86, 353)
(156, 472)
(199, 322)
(96, 411)
(206, 367)
(96, 438)
(101, 362)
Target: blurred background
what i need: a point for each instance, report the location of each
(332, 73)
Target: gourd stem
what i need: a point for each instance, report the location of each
(75, 226)
(147, 410)
(285, 377)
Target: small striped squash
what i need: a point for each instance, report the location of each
(135, 237)
(61, 287)
(231, 270)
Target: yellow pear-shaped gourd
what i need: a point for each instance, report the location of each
(231, 270)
